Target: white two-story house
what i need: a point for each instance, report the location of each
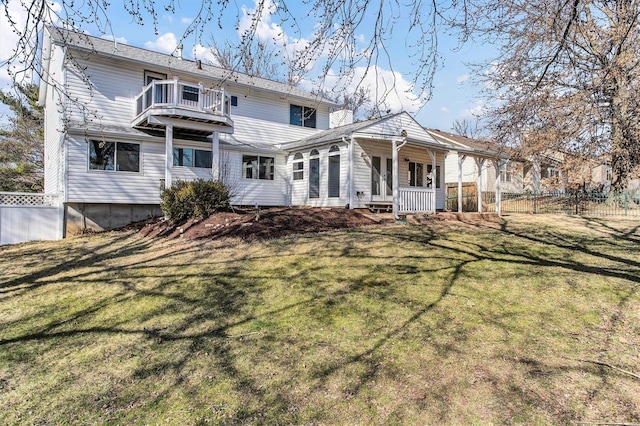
(122, 123)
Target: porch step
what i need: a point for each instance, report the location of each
(380, 207)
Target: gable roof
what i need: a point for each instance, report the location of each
(386, 127)
(470, 146)
(107, 48)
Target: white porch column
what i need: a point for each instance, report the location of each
(168, 153)
(536, 175)
(480, 165)
(498, 166)
(461, 159)
(395, 173)
(215, 156)
(351, 161)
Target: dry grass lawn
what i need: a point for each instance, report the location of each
(534, 321)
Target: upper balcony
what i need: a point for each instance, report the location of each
(192, 109)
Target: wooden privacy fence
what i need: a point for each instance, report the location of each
(582, 203)
(27, 217)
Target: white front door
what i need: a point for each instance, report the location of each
(381, 179)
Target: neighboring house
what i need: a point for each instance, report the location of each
(123, 122)
(518, 173)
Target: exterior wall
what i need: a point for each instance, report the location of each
(470, 173)
(517, 183)
(300, 189)
(83, 217)
(53, 130)
(264, 118)
(98, 186)
(250, 192)
(469, 168)
(259, 117)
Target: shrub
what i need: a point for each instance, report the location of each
(194, 199)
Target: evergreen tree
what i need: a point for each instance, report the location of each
(22, 142)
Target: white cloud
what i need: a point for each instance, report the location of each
(475, 111)
(185, 20)
(388, 89)
(463, 78)
(265, 29)
(166, 43)
(111, 37)
(204, 54)
(445, 109)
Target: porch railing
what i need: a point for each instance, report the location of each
(414, 200)
(178, 94)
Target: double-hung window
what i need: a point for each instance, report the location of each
(302, 116)
(114, 156)
(258, 167)
(298, 166)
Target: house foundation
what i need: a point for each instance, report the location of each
(85, 217)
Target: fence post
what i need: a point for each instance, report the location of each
(535, 203)
(626, 203)
(577, 204)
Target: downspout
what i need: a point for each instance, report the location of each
(350, 169)
(396, 172)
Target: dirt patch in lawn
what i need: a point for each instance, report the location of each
(251, 224)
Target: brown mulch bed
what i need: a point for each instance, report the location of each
(251, 224)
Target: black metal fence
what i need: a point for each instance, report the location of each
(579, 203)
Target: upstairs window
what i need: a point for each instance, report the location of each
(302, 116)
(298, 166)
(190, 93)
(114, 156)
(188, 157)
(258, 167)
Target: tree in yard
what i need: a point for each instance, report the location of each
(566, 79)
(22, 142)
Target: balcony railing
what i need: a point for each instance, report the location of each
(415, 200)
(165, 94)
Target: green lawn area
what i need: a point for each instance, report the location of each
(433, 323)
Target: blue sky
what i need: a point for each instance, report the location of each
(453, 97)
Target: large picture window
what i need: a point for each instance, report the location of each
(114, 156)
(258, 167)
(189, 157)
(302, 116)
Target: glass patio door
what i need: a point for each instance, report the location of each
(381, 179)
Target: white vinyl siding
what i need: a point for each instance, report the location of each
(53, 137)
(250, 192)
(97, 186)
(365, 150)
(114, 85)
(300, 188)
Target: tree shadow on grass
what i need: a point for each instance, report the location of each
(225, 296)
